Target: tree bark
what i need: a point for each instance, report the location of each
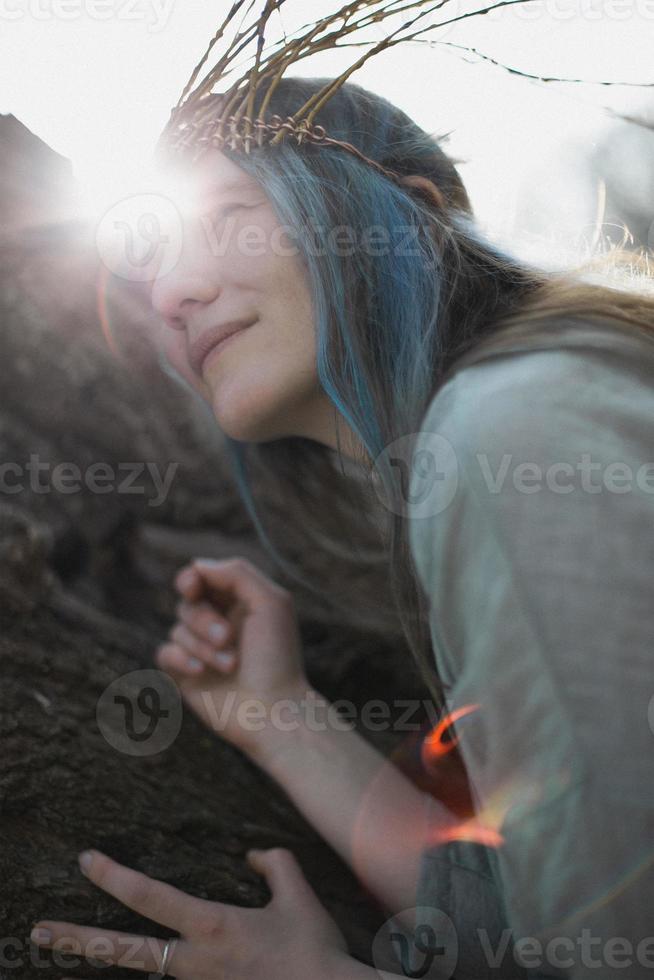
(86, 595)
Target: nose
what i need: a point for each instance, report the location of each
(175, 298)
(192, 282)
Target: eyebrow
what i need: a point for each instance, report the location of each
(238, 184)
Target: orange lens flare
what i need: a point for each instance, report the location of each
(433, 746)
(482, 827)
(472, 830)
(103, 311)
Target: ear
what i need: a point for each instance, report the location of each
(427, 188)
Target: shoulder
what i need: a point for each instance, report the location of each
(527, 445)
(564, 387)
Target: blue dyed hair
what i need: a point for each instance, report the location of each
(389, 323)
(388, 319)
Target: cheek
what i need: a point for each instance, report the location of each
(173, 346)
(263, 254)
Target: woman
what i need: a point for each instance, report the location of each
(522, 387)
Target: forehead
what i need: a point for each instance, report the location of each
(216, 173)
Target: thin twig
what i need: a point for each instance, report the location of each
(267, 63)
(526, 74)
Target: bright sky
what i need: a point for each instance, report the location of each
(96, 80)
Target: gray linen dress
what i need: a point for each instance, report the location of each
(541, 586)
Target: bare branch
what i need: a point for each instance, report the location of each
(525, 74)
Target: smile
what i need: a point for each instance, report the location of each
(210, 349)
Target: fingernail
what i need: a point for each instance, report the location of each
(85, 859)
(217, 632)
(194, 663)
(40, 936)
(223, 658)
(185, 579)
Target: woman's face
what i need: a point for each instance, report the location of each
(238, 263)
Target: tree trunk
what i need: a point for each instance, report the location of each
(86, 595)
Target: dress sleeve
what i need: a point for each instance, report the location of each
(536, 550)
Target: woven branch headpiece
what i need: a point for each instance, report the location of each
(204, 118)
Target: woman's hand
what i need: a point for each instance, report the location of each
(291, 938)
(232, 681)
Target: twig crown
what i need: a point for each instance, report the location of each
(205, 118)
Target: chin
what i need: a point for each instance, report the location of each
(242, 417)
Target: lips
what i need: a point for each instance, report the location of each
(200, 348)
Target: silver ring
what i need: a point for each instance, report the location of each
(165, 959)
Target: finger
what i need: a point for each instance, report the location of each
(201, 618)
(150, 897)
(283, 875)
(111, 947)
(192, 645)
(190, 641)
(240, 577)
(171, 657)
(189, 582)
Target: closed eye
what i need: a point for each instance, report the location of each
(216, 217)
(230, 208)
(223, 212)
